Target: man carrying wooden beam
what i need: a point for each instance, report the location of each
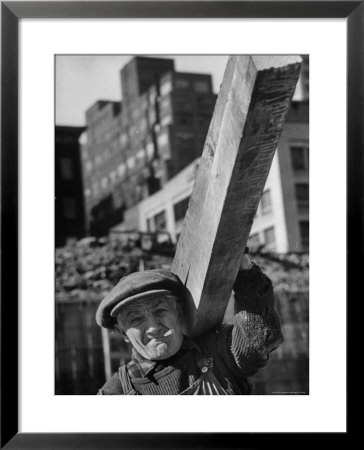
(146, 308)
(173, 318)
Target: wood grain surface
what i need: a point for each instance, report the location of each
(245, 128)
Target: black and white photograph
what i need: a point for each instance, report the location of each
(181, 213)
(181, 224)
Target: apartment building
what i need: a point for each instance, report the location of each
(131, 149)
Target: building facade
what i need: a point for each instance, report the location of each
(101, 155)
(69, 205)
(281, 223)
(131, 150)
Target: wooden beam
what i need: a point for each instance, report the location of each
(245, 128)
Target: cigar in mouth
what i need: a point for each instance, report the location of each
(168, 333)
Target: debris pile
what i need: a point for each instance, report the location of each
(95, 265)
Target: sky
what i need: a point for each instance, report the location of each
(81, 80)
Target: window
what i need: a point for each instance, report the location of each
(299, 158)
(166, 87)
(69, 208)
(265, 202)
(302, 195)
(160, 221)
(183, 119)
(165, 106)
(182, 83)
(166, 120)
(304, 233)
(162, 139)
(301, 191)
(201, 87)
(204, 102)
(269, 238)
(183, 104)
(153, 184)
(150, 225)
(66, 168)
(184, 136)
(180, 209)
(203, 120)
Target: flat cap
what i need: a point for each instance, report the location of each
(133, 287)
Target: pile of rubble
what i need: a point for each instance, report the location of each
(97, 264)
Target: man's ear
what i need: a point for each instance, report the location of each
(121, 331)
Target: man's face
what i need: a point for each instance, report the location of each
(153, 326)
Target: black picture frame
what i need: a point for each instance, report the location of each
(11, 13)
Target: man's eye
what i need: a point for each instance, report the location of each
(161, 310)
(135, 320)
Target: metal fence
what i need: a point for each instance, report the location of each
(78, 351)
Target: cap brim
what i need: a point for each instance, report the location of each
(115, 311)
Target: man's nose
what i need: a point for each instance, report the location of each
(154, 325)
